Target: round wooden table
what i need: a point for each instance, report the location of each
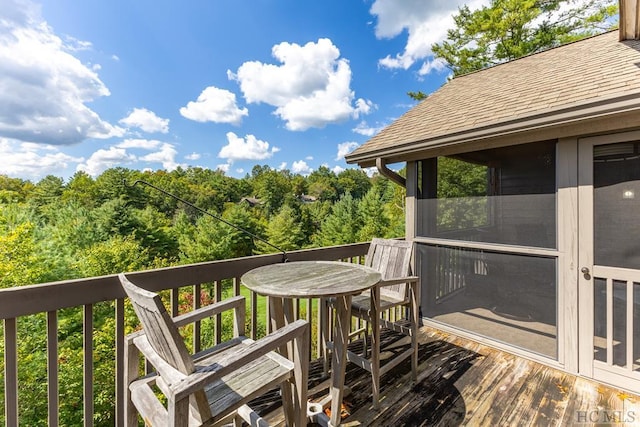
(315, 279)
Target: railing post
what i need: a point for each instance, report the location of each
(87, 345)
(52, 368)
(10, 372)
(120, 366)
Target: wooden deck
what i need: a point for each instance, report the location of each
(464, 383)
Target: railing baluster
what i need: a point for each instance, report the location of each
(175, 300)
(52, 368)
(236, 286)
(87, 345)
(197, 326)
(296, 309)
(120, 365)
(10, 372)
(254, 315)
(218, 328)
(309, 318)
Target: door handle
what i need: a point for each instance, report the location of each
(586, 272)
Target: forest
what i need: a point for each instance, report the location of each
(55, 230)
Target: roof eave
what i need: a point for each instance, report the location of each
(566, 116)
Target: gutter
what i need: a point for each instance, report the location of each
(393, 176)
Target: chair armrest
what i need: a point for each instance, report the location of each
(244, 354)
(209, 310)
(169, 374)
(398, 280)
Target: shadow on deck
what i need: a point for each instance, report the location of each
(461, 382)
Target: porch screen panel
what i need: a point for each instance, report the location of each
(504, 195)
(616, 201)
(507, 297)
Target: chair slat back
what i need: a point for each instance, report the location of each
(392, 258)
(162, 333)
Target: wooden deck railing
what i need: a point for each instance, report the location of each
(50, 298)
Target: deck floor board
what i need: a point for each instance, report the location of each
(461, 382)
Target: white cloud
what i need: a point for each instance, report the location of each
(32, 161)
(145, 144)
(337, 169)
(146, 120)
(301, 167)
(215, 105)
(166, 155)
(370, 171)
(193, 156)
(74, 45)
(309, 158)
(282, 166)
(426, 23)
(239, 170)
(311, 87)
(223, 167)
(248, 148)
(345, 148)
(364, 129)
(437, 64)
(103, 159)
(44, 89)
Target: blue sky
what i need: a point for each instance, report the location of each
(226, 84)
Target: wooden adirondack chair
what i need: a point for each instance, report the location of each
(215, 385)
(392, 258)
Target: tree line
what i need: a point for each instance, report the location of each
(55, 230)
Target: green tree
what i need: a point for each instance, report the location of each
(343, 225)
(46, 193)
(212, 239)
(20, 263)
(116, 255)
(284, 231)
(153, 230)
(81, 189)
(375, 222)
(237, 242)
(70, 230)
(272, 187)
(13, 190)
(311, 217)
(323, 184)
(354, 181)
(202, 242)
(509, 29)
(116, 183)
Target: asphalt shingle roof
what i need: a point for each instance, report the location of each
(593, 68)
